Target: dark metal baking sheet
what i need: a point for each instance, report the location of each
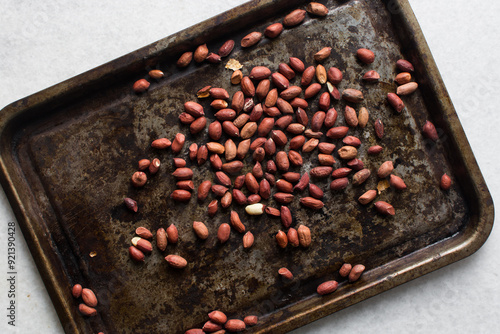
(67, 154)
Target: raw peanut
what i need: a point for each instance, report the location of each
(76, 291)
(130, 204)
(225, 115)
(304, 236)
(255, 209)
(201, 53)
(202, 155)
(204, 92)
(271, 111)
(185, 185)
(284, 186)
(326, 159)
(312, 203)
(140, 86)
(283, 106)
(326, 148)
(312, 90)
(216, 161)
(430, 132)
(257, 170)
(341, 172)
(259, 154)
(308, 75)
(247, 86)
(282, 161)
(230, 150)
(178, 143)
(297, 142)
(271, 98)
(179, 162)
(200, 229)
(397, 182)
(186, 119)
(322, 54)
(360, 177)
(248, 105)
(264, 189)
(236, 222)
(367, 197)
(232, 167)
(251, 39)
(243, 148)
(269, 147)
(280, 81)
(292, 177)
(445, 183)
(347, 152)
(324, 101)
(238, 101)
(350, 117)
(219, 104)
(136, 254)
(407, 88)
(286, 216)
(143, 245)
(317, 120)
(294, 18)
(293, 237)
(302, 182)
(236, 77)
(404, 65)
(139, 179)
(385, 169)
(291, 92)
(330, 117)
(226, 200)
(176, 261)
(285, 273)
(213, 206)
(334, 75)
(239, 197)
(356, 272)
(273, 212)
(262, 89)
(226, 48)
(172, 234)
(286, 70)
(235, 325)
(396, 102)
(86, 310)
(352, 95)
(241, 120)
(239, 182)
(283, 198)
(356, 164)
(265, 126)
(299, 103)
(311, 134)
(321, 74)
(215, 147)
(363, 117)
(195, 331)
(295, 128)
(379, 128)
(352, 141)
(385, 208)
(260, 73)
(327, 287)
(217, 316)
(194, 109)
(156, 74)
(339, 184)
(198, 125)
(334, 92)
(279, 137)
(211, 327)
(143, 232)
(273, 30)
(143, 164)
(281, 239)
(219, 190)
(161, 239)
(215, 130)
(193, 151)
(296, 64)
(316, 8)
(89, 297)
(254, 199)
(403, 78)
(223, 179)
(345, 269)
(251, 320)
(155, 166)
(371, 76)
(338, 132)
(248, 240)
(185, 59)
(219, 93)
(161, 143)
(366, 56)
(183, 173)
(301, 116)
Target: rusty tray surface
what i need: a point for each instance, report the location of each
(68, 152)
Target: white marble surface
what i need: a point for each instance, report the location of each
(45, 42)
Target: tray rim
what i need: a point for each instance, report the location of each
(457, 247)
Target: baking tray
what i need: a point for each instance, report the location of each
(67, 154)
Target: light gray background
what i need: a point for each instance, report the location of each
(45, 42)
